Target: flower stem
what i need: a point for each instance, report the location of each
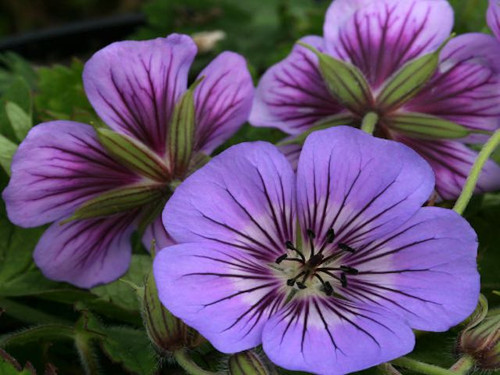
(369, 122)
(475, 172)
(463, 365)
(183, 359)
(421, 367)
(388, 369)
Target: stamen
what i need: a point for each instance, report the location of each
(349, 270)
(281, 258)
(289, 245)
(301, 284)
(327, 287)
(330, 235)
(291, 282)
(343, 280)
(347, 248)
(311, 236)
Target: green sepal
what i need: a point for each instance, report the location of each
(19, 119)
(328, 122)
(133, 154)
(151, 212)
(118, 200)
(248, 363)
(423, 126)
(344, 81)
(181, 134)
(409, 80)
(7, 151)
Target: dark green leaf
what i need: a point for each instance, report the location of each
(20, 121)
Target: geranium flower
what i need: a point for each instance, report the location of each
(380, 37)
(329, 268)
(493, 17)
(62, 165)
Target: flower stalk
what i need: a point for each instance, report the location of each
(421, 367)
(369, 122)
(463, 365)
(184, 360)
(470, 184)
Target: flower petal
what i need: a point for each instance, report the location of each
(493, 17)
(86, 253)
(222, 101)
(331, 336)
(156, 231)
(452, 162)
(360, 186)
(379, 37)
(292, 95)
(244, 197)
(466, 88)
(224, 294)
(57, 167)
(292, 153)
(425, 271)
(134, 85)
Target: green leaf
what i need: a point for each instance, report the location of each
(131, 348)
(120, 293)
(9, 366)
(7, 151)
(44, 332)
(134, 154)
(119, 200)
(20, 121)
(344, 81)
(423, 126)
(15, 68)
(182, 131)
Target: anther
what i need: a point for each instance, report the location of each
(327, 288)
(349, 270)
(291, 282)
(330, 235)
(347, 248)
(289, 245)
(310, 234)
(281, 258)
(343, 280)
(301, 285)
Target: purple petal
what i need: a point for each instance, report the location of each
(291, 95)
(292, 153)
(425, 271)
(156, 231)
(493, 17)
(59, 166)
(134, 85)
(379, 37)
(360, 186)
(466, 89)
(222, 101)
(452, 162)
(221, 292)
(86, 253)
(329, 336)
(244, 197)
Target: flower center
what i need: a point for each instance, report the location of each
(315, 265)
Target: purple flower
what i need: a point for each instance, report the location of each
(134, 87)
(329, 268)
(493, 17)
(379, 37)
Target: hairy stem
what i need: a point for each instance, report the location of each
(369, 122)
(463, 365)
(475, 172)
(421, 367)
(183, 359)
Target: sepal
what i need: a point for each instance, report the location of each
(249, 363)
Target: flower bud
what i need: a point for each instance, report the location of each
(481, 338)
(248, 363)
(165, 331)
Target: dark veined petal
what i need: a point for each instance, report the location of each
(379, 37)
(292, 95)
(425, 270)
(452, 162)
(466, 87)
(59, 166)
(360, 186)
(222, 101)
(332, 336)
(220, 291)
(493, 17)
(244, 197)
(86, 253)
(134, 85)
(156, 231)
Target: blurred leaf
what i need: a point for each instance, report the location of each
(15, 67)
(19, 93)
(9, 366)
(20, 121)
(131, 348)
(119, 292)
(38, 333)
(7, 151)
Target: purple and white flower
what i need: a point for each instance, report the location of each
(134, 87)
(331, 267)
(379, 37)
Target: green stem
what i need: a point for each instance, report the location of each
(183, 359)
(369, 122)
(463, 365)
(475, 172)
(421, 367)
(87, 356)
(388, 369)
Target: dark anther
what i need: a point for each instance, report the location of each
(330, 235)
(327, 288)
(349, 270)
(301, 285)
(289, 245)
(310, 234)
(281, 258)
(343, 279)
(347, 248)
(290, 282)
(316, 260)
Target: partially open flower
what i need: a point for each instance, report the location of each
(330, 268)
